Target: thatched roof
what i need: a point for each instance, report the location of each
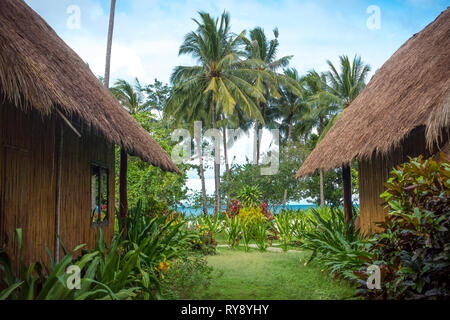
(38, 70)
(410, 90)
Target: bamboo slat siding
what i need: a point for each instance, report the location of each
(78, 155)
(373, 173)
(27, 187)
(28, 168)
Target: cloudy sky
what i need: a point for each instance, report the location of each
(148, 33)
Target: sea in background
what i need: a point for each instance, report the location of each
(198, 211)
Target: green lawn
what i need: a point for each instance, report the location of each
(270, 275)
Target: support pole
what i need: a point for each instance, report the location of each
(58, 192)
(123, 192)
(347, 182)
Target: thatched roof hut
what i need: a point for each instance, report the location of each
(58, 129)
(403, 111)
(38, 70)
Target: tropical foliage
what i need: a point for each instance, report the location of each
(413, 251)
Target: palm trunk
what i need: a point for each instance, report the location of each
(123, 191)
(256, 143)
(227, 166)
(321, 182)
(216, 162)
(289, 138)
(322, 197)
(202, 173)
(347, 182)
(109, 44)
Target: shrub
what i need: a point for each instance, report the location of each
(336, 242)
(233, 230)
(234, 208)
(250, 196)
(205, 242)
(261, 232)
(251, 214)
(413, 251)
(104, 275)
(186, 277)
(214, 222)
(286, 225)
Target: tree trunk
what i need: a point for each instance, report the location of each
(289, 138)
(216, 162)
(284, 199)
(322, 196)
(321, 182)
(109, 44)
(202, 173)
(347, 182)
(123, 192)
(227, 165)
(256, 143)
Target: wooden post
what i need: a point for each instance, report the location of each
(347, 182)
(58, 191)
(123, 192)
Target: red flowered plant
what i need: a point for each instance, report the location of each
(234, 208)
(266, 212)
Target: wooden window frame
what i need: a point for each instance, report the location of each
(99, 168)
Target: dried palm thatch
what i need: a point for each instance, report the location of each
(38, 70)
(410, 90)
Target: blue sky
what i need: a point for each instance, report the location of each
(148, 34)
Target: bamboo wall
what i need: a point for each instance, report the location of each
(28, 183)
(78, 155)
(373, 173)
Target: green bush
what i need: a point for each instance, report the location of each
(286, 223)
(129, 268)
(233, 230)
(413, 251)
(250, 196)
(336, 242)
(104, 275)
(204, 242)
(186, 278)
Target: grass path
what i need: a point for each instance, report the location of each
(271, 276)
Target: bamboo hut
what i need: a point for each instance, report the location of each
(58, 129)
(403, 111)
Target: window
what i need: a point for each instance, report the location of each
(99, 196)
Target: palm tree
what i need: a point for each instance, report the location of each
(347, 84)
(131, 96)
(258, 47)
(324, 106)
(185, 113)
(123, 193)
(221, 75)
(238, 120)
(290, 107)
(350, 80)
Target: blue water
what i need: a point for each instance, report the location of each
(199, 211)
